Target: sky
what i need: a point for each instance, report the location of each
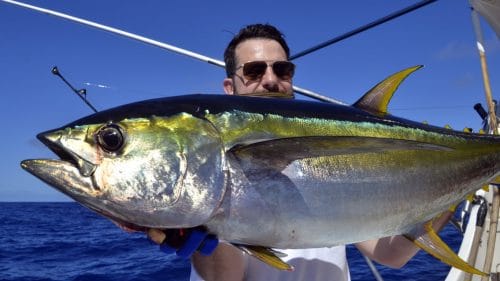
(115, 70)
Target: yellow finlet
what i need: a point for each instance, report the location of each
(453, 208)
(377, 98)
(267, 256)
(470, 196)
(432, 244)
(496, 180)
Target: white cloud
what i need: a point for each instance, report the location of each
(98, 85)
(456, 50)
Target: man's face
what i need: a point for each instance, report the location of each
(258, 50)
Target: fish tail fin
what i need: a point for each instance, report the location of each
(266, 255)
(432, 244)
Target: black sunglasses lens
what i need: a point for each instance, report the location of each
(254, 70)
(284, 69)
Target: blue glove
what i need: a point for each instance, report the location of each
(184, 242)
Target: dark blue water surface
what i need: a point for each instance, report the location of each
(65, 241)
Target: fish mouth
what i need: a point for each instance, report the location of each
(70, 174)
(65, 177)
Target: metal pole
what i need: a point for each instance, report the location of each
(363, 28)
(155, 43)
(314, 95)
(374, 270)
(490, 244)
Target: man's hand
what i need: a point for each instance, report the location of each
(184, 242)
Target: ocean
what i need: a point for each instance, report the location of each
(65, 241)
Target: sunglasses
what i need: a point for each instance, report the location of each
(254, 70)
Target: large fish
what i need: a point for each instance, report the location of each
(272, 173)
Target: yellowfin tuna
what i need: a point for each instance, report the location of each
(270, 174)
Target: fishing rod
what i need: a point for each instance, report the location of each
(156, 43)
(82, 93)
(363, 28)
(484, 70)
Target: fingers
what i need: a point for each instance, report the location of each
(156, 235)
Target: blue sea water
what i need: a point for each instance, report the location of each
(65, 241)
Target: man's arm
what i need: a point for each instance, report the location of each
(225, 263)
(396, 251)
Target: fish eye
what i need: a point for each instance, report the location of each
(111, 138)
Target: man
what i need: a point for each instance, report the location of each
(257, 65)
(246, 52)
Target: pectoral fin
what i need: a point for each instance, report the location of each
(267, 256)
(432, 244)
(278, 153)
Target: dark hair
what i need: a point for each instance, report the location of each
(252, 31)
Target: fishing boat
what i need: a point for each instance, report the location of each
(481, 242)
(481, 237)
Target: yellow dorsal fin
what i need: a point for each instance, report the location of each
(432, 244)
(267, 256)
(377, 98)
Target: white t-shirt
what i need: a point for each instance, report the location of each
(309, 265)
